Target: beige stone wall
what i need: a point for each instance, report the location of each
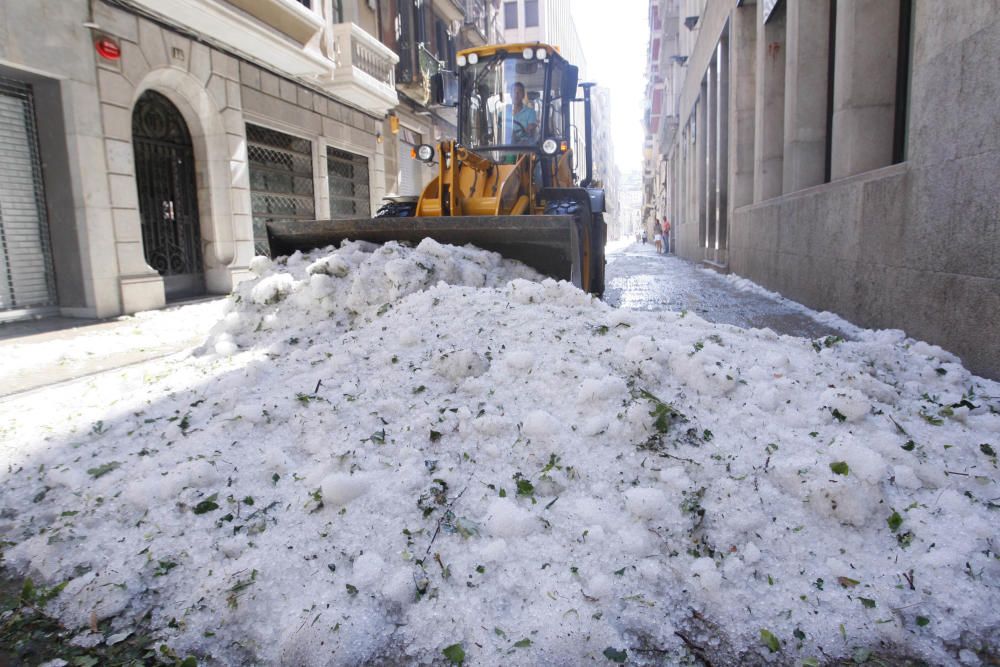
(217, 94)
(914, 245)
(45, 44)
(282, 104)
(203, 84)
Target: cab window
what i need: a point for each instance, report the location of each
(504, 105)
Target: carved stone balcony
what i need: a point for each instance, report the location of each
(282, 33)
(363, 69)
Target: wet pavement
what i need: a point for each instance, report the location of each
(637, 278)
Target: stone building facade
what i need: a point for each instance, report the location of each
(548, 21)
(840, 152)
(144, 144)
(605, 172)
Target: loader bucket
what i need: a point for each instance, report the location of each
(550, 244)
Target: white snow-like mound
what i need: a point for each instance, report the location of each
(346, 287)
(382, 452)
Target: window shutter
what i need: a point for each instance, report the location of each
(404, 38)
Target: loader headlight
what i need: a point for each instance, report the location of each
(528, 53)
(550, 146)
(473, 58)
(461, 61)
(425, 152)
(541, 54)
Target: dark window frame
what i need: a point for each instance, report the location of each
(903, 56)
(510, 18)
(283, 186)
(830, 73)
(531, 21)
(359, 181)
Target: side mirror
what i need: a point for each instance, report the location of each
(444, 89)
(570, 79)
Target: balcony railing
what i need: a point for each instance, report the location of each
(429, 64)
(418, 88)
(363, 68)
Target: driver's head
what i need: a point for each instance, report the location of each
(518, 92)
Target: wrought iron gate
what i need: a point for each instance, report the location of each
(168, 204)
(27, 283)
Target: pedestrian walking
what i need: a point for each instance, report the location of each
(666, 235)
(645, 237)
(658, 240)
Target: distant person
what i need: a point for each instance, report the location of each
(666, 236)
(645, 237)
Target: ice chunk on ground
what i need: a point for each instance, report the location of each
(645, 503)
(851, 404)
(505, 519)
(272, 289)
(340, 489)
(368, 570)
(259, 265)
(540, 424)
(640, 348)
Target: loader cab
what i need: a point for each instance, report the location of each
(514, 99)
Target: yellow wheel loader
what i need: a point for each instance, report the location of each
(507, 183)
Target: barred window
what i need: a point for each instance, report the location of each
(281, 180)
(350, 193)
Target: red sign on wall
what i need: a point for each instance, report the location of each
(108, 48)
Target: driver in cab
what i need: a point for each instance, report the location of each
(525, 120)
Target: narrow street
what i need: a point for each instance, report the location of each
(309, 358)
(46, 352)
(640, 279)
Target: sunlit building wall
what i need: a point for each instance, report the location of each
(835, 151)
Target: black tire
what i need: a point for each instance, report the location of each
(598, 229)
(601, 229)
(562, 208)
(394, 209)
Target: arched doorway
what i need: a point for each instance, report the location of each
(168, 196)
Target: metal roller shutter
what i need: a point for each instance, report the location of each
(413, 174)
(26, 275)
(408, 170)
